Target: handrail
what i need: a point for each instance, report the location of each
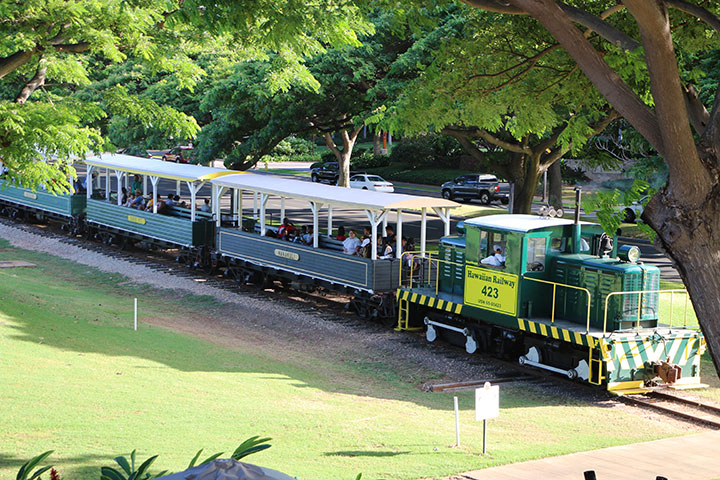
(641, 292)
(557, 284)
(429, 257)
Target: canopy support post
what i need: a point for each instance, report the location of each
(282, 209)
(444, 214)
(423, 230)
(177, 188)
(398, 240)
(263, 201)
(255, 205)
(154, 182)
(88, 182)
(216, 194)
(330, 220)
(375, 220)
(119, 176)
(315, 208)
(194, 189)
(145, 189)
(239, 207)
(107, 185)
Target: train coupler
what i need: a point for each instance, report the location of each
(668, 372)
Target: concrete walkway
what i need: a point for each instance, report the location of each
(691, 457)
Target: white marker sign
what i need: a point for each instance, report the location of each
(487, 402)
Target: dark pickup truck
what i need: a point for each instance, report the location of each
(327, 172)
(485, 188)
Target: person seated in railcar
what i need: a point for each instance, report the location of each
(124, 196)
(497, 259)
(137, 183)
(352, 243)
(286, 230)
(341, 234)
(205, 206)
(388, 251)
(131, 198)
(139, 201)
(170, 202)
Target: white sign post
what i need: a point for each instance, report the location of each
(487, 405)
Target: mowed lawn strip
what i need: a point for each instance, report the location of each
(75, 378)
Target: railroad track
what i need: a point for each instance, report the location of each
(693, 411)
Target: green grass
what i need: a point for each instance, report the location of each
(290, 171)
(75, 378)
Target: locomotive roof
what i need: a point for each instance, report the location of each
(148, 166)
(346, 197)
(520, 223)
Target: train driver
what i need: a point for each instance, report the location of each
(497, 259)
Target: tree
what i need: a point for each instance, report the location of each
(686, 212)
(516, 102)
(249, 119)
(53, 46)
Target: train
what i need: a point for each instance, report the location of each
(563, 296)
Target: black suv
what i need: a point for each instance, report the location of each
(327, 172)
(485, 188)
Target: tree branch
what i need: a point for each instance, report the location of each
(474, 132)
(680, 152)
(696, 11)
(36, 82)
(72, 47)
(11, 63)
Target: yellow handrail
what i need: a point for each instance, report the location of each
(557, 284)
(641, 292)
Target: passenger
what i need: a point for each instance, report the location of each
(139, 201)
(124, 198)
(286, 229)
(388, 251)
(341, 234)
(183, 204)
(170, 202)
(130, 200)
(389, 235)
(365, 248)
(497, 259)
(137, 183)
(162, 207)
(300, 234)
(307, 237)
(351, 244)
(84, 182)
(206, 206)
(149, 205)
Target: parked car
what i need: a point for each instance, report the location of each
(633, 211)
(371, 182)
(327, 172)
(179, 154)
(485, 188)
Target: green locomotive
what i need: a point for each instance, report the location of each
(565, 299)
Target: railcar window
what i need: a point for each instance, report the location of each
(585, 244)
(557, 244)
(482, 249)
(536, 254)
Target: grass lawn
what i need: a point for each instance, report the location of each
(75, 377)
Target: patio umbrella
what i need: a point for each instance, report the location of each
(227, 469)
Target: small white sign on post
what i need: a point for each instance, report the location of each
(487, 402)
(487, 405)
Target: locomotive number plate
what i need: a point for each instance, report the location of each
(491, 290)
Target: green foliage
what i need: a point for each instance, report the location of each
(129, 472)
(26, 470)
(427, 151)
(605, 204)
(251, 445)
(370, 160)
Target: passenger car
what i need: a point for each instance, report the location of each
(633, 211)
(371, 182)
(327, 172)
(485, 188)
(179, 154)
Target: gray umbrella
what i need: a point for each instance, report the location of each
(227, 469)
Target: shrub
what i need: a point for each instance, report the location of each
(368, 160)
(292, 146)
(427, 151)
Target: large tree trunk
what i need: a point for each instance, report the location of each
(691, 238)
(343, 156)
(555, 185)
(524, 173)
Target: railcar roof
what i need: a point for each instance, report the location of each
(148, 166)
(337, 196)
(520, 223)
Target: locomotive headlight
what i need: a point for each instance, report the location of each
(629, 253)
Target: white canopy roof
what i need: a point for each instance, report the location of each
(520, 223)
(338, 196)
(158, 168)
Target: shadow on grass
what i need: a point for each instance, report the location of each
(363, 453)
(10, 461)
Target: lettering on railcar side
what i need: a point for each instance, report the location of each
(286, 254)
(134, 219)
(30, 195)
(496, 291)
